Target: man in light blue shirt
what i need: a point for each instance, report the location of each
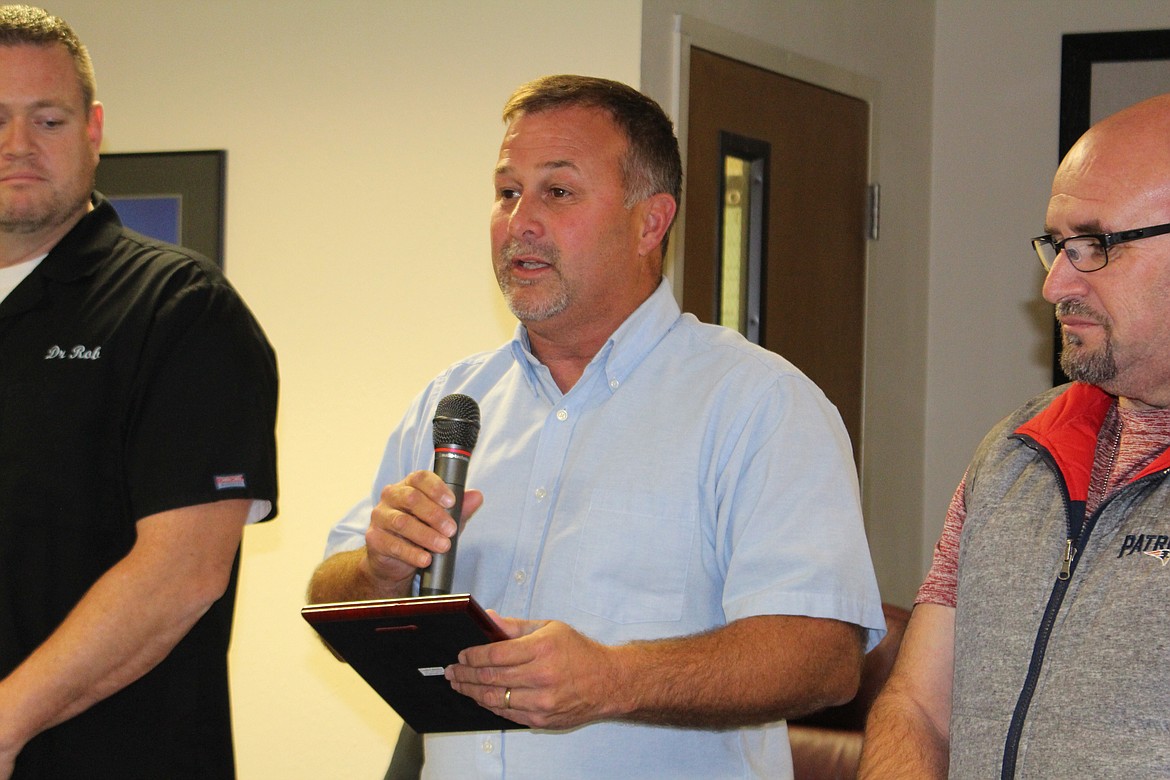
(666, 517)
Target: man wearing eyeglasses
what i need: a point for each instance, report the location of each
(1038, 647)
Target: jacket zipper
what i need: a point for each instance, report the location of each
(1055, 599)
(1040, 646)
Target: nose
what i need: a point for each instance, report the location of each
(15, 138)
(526, 221)
(1063, 281)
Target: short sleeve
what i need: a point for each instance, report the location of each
(941, 585)
(203, 426)
(793, 516)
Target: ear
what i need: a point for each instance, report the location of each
(94, 125)
(657, 215)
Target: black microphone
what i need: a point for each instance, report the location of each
(456, 429)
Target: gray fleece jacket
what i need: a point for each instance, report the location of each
(1062, 655)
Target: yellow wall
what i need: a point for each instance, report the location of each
(361, 137)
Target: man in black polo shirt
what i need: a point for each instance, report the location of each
(137, 407)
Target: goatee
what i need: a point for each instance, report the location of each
(524, 298)
(1095, 367)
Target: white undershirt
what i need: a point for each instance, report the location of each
(13, 275)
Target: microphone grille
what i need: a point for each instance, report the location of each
(456, 422)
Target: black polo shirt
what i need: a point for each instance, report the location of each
(133, 380)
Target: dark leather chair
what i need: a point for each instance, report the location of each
(827, 744)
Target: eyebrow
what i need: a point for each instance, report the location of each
(1080, 229)
(550, 165)
(45, 103)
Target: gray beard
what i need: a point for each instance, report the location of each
(511, 289)
(1095, 368)
(1081, 365)
(533, 313)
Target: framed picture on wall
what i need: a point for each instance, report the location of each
(172, 196)
(1100, 74)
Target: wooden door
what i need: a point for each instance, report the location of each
(813, 144)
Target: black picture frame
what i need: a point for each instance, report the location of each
(1079, 52)
(192, 181)
(400, 647)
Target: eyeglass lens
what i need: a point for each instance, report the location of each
(1086, 254)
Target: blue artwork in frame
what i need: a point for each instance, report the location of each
(158, 217)
(172, 196)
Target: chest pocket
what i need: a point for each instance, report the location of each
(634, 558)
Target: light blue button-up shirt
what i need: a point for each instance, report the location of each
(687, 480)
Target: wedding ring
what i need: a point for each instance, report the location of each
(507, 698)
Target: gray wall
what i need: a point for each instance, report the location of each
(995, 148)
(966, 125)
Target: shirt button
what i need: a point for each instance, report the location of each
(521, 577)
(487, 746)
(562, 415)
(540, 494)
(613, 384)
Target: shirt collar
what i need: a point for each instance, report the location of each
(622, 352)
(91, 239)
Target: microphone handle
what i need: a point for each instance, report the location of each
(451, 466)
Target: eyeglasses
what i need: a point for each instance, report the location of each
(1090, 252)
